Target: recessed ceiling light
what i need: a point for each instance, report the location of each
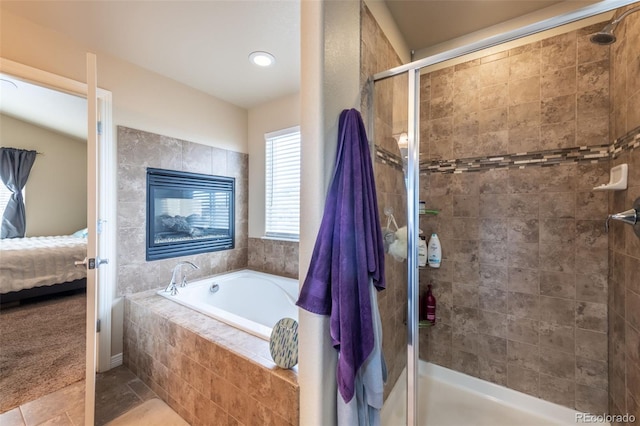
(262, 59)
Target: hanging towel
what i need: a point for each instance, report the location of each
(349, 250)
(364, 408)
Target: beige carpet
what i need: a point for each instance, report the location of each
(42, 348)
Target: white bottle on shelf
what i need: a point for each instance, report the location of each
(434, 251)
(422, 252)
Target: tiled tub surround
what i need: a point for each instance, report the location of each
(277, 257)
(624, 246)
(207, 371)
(377, 54)
(138, 150)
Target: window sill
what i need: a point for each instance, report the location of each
(290, 240)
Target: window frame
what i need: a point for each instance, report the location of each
(269, 138)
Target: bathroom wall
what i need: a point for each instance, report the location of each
(624, 245)
(268, 255)
(377, 55)
(141, 98)
(138, 150)
(56, 193)
(277, 257)
(512, 144)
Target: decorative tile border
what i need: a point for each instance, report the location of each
(628, 142)
(547, 158)
(519, 161)
(389, 158)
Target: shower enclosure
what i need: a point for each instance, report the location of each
(506, 138)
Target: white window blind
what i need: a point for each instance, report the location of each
(282, 196)
(5, 194)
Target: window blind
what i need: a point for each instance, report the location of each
(282, 184)
(5, 194)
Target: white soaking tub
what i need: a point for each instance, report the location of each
(249, 300)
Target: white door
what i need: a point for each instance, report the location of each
(100, 187)
(92, 261)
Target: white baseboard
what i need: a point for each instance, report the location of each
(116, 360)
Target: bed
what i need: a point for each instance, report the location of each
(35, 266)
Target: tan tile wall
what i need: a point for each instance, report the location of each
(208, 372)
(624, 246)
(545, 95)
(522, 291)
(273, 256)
(138, 150)
(390, 109)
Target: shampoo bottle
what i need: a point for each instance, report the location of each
(434, 251)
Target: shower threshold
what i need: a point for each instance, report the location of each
(450, 398)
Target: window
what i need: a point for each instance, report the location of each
(5, 194)
(282, 184)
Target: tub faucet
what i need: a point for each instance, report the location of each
(172, 288)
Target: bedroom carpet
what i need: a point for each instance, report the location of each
(42, 348)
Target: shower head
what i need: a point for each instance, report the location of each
(606, 36)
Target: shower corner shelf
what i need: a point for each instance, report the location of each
(425, 324)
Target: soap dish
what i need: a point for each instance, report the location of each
(617, 179)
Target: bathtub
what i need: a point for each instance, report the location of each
(248, 300)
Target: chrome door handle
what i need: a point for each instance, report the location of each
(91, 263)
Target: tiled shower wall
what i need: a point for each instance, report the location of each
(377, 54)
(522, 291)
(138, 150)
(624, 245)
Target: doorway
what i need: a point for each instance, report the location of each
(98, 355)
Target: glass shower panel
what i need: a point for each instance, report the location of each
(389, 127)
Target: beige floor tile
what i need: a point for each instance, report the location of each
(76, 413)
(141, 389)
(153, 412)
(12, 418)
(49, 406)
(59, 420)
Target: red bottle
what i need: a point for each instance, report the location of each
(431, 306)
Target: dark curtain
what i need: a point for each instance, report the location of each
(15, 166)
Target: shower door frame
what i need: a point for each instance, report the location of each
(413, 164)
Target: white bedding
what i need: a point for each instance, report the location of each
(40, 261)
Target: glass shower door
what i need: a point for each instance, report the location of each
(393, 124)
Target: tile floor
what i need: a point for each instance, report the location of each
(117, 392)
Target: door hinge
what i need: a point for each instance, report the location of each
(99, 127)
(98, 326)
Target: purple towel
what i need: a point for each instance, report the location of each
(349, 249)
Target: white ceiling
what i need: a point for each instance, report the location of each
(429, 22)
(205, 44)
(51, 109)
